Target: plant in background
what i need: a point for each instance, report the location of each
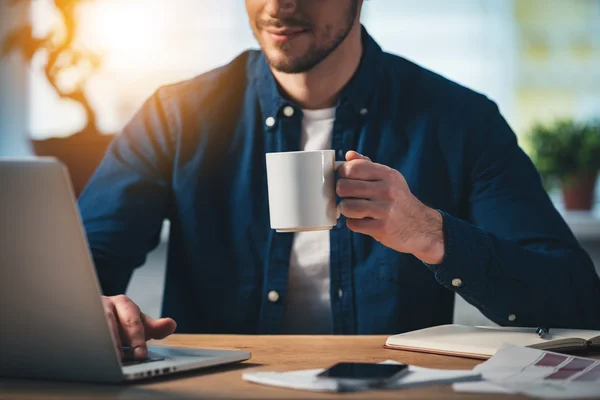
(69, 65)
(567, 154)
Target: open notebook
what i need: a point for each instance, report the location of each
(483, 341)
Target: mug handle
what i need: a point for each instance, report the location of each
(337, 206)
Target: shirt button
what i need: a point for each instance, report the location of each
(340, 153)
(270, 122)
(288, 111)
(364, 111)
(340, 293)
(273, 296)
(456, 282)
(512, 317)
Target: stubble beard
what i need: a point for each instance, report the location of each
(314, 55)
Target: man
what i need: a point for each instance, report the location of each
(437, 198)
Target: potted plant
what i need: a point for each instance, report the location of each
(567, 154)
(65, 54)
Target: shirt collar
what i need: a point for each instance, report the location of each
(359, 91)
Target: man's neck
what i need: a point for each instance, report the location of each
(319, 88)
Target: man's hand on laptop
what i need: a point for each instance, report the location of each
(131, 327)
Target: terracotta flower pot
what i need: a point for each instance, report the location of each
(579, 191)
(80, 153)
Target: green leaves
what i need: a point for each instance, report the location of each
(565, 148)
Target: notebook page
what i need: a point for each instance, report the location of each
(555, 339)
(559, 337)
(577, 333)
(467, 339)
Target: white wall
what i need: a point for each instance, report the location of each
(468, 41)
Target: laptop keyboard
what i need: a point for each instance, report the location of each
(128, 360)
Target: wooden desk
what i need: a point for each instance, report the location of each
(279, 353)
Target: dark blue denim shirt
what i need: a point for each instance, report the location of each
(195, 154)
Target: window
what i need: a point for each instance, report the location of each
(149, 43)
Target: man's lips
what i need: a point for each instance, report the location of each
(285, 33)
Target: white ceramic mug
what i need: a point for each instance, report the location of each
(301, 188)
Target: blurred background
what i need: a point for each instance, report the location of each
(73, 72)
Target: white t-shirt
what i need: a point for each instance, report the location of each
(307, 305)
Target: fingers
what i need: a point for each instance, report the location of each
(364, 170)
(353, 155)
(132, 329)
(158, 328)
(361, 208)
(366, 226)
(351, 188)
(109, 310)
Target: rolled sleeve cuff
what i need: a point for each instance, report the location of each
(464, 268)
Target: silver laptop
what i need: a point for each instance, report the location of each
(52, 323)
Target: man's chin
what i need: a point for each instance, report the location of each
(285, 64)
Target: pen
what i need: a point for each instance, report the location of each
(542, 331)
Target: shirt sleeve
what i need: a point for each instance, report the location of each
(126, 200)
(514, 257)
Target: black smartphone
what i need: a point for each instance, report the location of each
(365, 373)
